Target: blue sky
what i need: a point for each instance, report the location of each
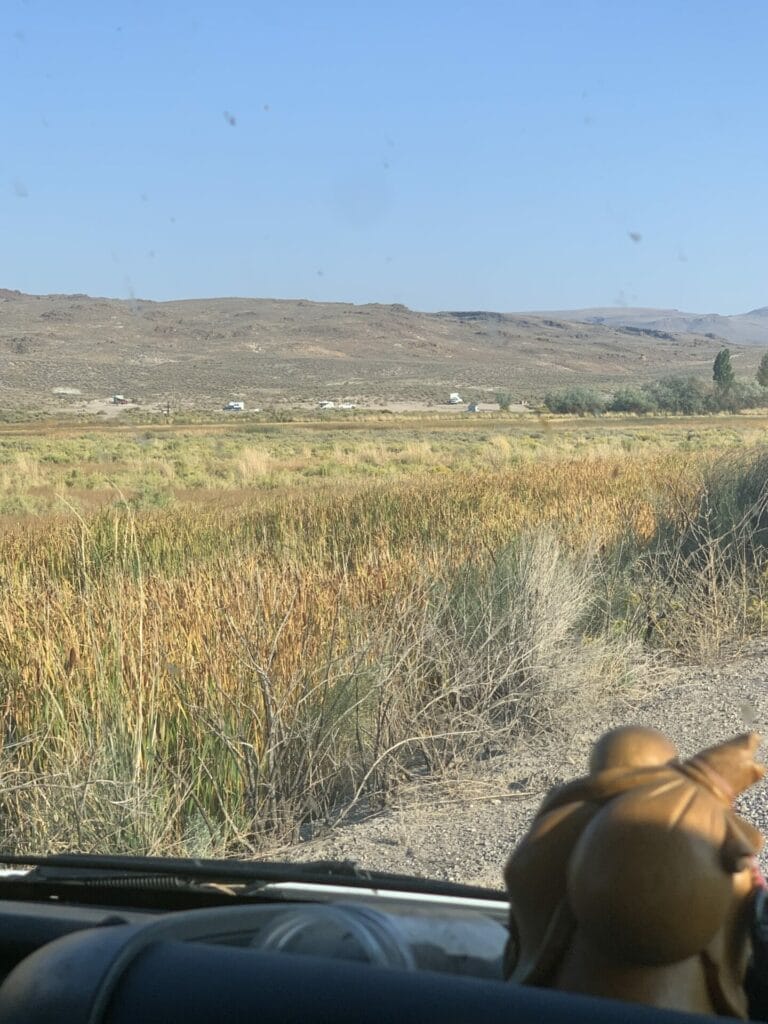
(500, 155)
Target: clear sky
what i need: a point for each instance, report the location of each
(519, 154)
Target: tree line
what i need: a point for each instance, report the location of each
(687, 395)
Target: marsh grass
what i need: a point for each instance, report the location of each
(704, 575)
(213, 676)
(47, 473)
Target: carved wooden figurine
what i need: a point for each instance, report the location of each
(635, 882)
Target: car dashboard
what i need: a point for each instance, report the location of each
(138, 950)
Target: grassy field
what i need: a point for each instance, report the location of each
(213, 637)
(59, 469)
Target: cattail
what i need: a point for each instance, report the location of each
(71, 663)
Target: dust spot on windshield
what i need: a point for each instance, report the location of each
(635, 236)
(230, 119)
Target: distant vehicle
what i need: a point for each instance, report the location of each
(327, 405)
(455, 398)
(472, 407)
(120, 400)
(347, 405)
(234, 407)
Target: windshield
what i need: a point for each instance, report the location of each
(381, 399)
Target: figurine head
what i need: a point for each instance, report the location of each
(631, 746)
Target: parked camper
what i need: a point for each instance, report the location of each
(234, 407)
(455, 398)
(327, 405)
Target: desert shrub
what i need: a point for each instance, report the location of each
(632, 400)
(691, 396)
(576, 400)
(501, 652)
(687, 395)
(740, 395)
(750, 394)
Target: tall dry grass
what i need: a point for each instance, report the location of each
(210, 679)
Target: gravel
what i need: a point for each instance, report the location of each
(463, 829)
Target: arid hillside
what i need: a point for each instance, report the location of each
(58, 350)
(744, 328)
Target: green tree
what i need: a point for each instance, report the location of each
(762, 372)
(722, 371)
(504, 400)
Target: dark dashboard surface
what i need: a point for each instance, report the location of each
(69, 964)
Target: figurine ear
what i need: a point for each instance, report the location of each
(740, 845)
(734, 761)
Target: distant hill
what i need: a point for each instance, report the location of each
(203, 352)
(743, 329)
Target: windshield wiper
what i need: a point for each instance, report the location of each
(248, 876)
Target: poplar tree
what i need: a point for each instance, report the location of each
(722, 371)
